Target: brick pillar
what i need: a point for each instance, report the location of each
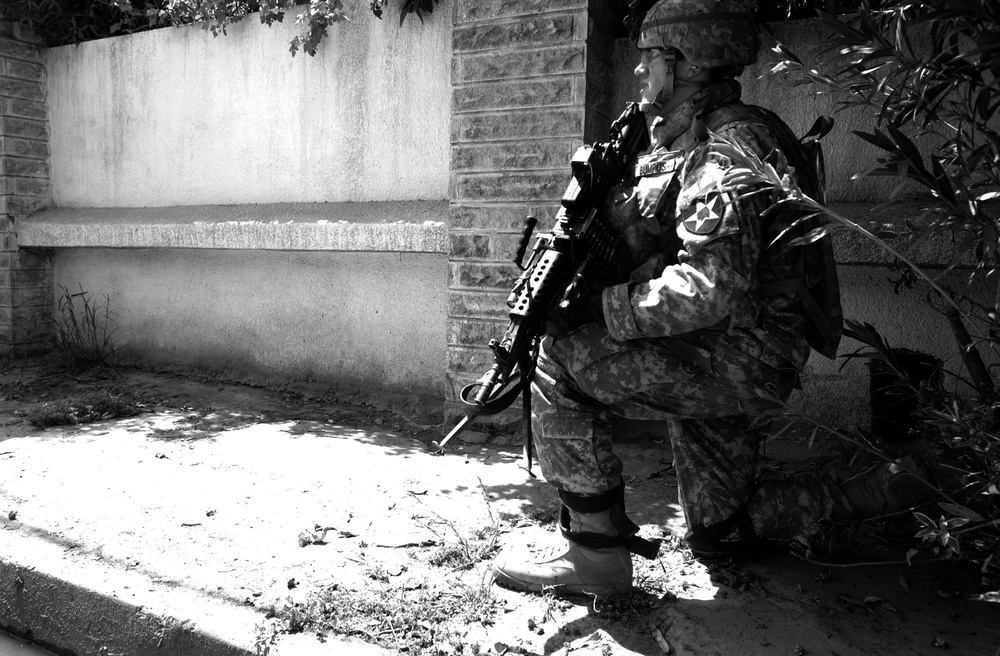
(531, 84)
(25, 276)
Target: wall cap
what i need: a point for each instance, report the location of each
(396, 226)
(853, 248)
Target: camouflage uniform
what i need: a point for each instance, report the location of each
(687, 340)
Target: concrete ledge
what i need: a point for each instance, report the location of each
(852, 248)
(414, 226)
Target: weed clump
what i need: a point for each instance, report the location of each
(98, 405)
(83, 331)
(419, 622)
(464, 554)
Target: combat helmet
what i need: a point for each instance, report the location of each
(708, 33)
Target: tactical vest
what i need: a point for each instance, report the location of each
(813, 280)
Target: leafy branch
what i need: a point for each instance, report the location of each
(62, 22)
(928, 72)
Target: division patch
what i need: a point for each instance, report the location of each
(704, 218)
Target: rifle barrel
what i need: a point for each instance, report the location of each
(459, 427)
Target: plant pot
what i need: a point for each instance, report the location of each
(893, 398)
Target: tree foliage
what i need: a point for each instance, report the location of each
(773, 11)
(927, 72)
(62, 22)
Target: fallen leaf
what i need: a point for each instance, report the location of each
(661, 641)
(903, 582)
(850, 600)
(414, 583)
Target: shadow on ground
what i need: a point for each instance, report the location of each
(297, 500)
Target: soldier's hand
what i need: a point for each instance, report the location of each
(621, 207)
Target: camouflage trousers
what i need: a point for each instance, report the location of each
(708, 398)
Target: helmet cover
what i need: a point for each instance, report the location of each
(708, 33)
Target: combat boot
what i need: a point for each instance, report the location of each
(571, 567)
(889, 489)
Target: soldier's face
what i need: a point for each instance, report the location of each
(656, 73)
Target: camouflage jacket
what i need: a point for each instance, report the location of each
(699, 249)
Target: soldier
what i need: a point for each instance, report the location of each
(711, 330)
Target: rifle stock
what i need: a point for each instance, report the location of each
(561, 271)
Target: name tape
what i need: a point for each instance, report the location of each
(662, 165)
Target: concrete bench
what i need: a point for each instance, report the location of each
(352, 292)
(284, 226)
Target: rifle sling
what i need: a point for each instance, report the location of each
(496, 404)
(527, 367)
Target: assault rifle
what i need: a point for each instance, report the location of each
(563, 268)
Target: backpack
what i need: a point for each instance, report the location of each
(815, 282)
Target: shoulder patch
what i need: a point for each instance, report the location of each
(704, 217)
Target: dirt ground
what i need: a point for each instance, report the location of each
(407, 568)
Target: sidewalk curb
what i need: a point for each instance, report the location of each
(70, 604)
(73, 605)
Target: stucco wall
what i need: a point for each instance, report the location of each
(302, 315)
(179, 117)
(346, 148)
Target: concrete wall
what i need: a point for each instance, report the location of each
(250, 212)
(296, 314)
(179, 117)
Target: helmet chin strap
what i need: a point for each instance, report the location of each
(669, 99)
(666, 92)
